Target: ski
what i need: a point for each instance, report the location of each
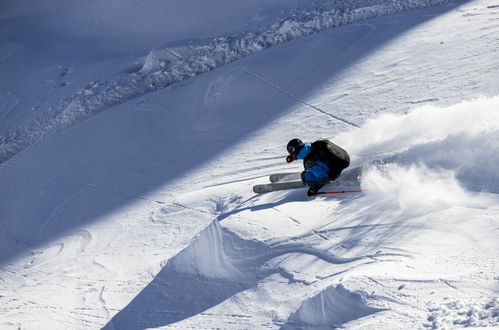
(347, 182)
(264, 188)
(349, 175)
(278, 177)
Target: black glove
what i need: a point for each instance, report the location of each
(311, 192)
(290, 158)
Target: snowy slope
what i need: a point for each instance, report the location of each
(142, 216)
(176, 63)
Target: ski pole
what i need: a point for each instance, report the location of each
(339, 192)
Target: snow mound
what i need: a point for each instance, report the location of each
(205, 256)
(198, 278)
(165, 67)
(331, 308)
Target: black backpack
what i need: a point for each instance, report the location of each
(335, 157)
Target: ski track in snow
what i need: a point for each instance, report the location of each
(174, 65)
(313, 107)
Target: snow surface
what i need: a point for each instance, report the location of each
(126, 197)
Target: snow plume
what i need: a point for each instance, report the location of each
(162, 68)
(433, 149)
(416, 189)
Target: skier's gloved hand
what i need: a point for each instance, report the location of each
(311, 192)
(290, 158)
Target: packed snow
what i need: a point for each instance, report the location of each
(132, 133)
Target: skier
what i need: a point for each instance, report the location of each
(322, 159)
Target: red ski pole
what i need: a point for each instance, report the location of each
(339, 192)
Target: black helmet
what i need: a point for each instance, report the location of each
(295, 146)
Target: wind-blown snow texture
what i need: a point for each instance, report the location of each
(142, 216)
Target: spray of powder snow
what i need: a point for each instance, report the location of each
(417, 189)
(431, 158)
(391, 133)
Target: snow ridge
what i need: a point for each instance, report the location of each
(165, 67)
